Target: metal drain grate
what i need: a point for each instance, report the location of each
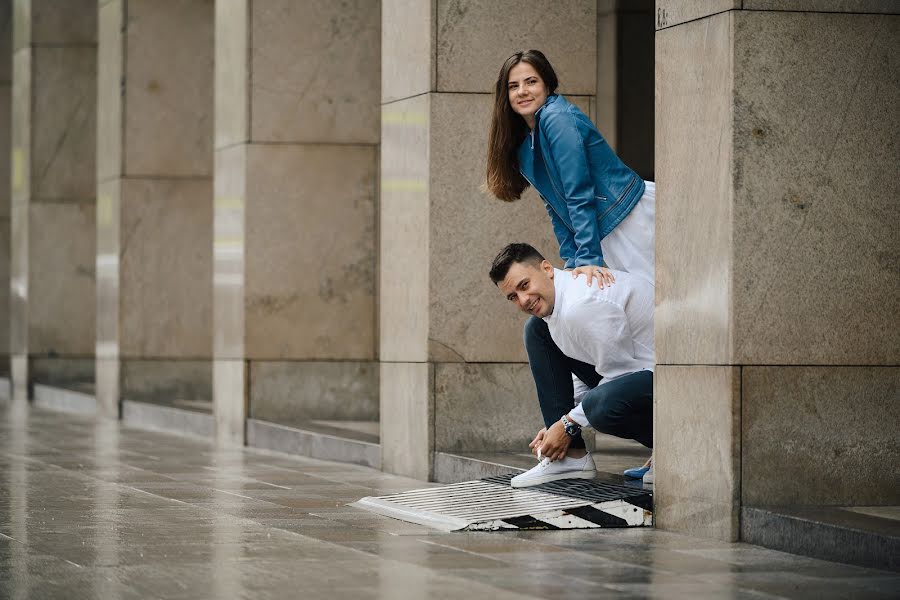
(491, 504)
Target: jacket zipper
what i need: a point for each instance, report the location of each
(619, 201)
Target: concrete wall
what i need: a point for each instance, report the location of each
(154, 226)
(453, 372)
(53, 190)
(777, 254)
(6, 13)
(296, 147)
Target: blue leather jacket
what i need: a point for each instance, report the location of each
(586, 189)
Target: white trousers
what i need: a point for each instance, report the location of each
(630, 246)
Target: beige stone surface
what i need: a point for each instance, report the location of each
(4, 291)
(404, 230)
(697, 445)
(820, 436)
(232, 39)
(109, 91)
(169, 89)
(310, 252)
(694, 208)
(315, 71)
(70, 22)
(816, 250)
(484, 407)
(61, 279)
(64, 123)
(469, 318)
(166, 268)
(230, 402)
(108, 226)
(61, 371)
(167, 380)
(407, 422)
(407, 49)
(289, 392)
(229, 189)
(5, 150)
(6, 45)
(21, 27)
(475, 37)
(851, 6)
(20, 191)
(106, 378)
(675, 12)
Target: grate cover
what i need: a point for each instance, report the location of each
(491, 504)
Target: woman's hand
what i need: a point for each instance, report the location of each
(603, 275)
(555, 442)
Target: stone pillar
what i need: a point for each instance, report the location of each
(296, 142)
(5, 184)
(154, 217)
(53, 191)
(778, 284)
(454, 376)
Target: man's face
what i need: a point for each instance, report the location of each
(530, 287)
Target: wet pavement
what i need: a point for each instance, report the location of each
(95, 510)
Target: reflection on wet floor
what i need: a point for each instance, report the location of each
(93, 510)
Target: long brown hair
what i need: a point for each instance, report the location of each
(508, 128)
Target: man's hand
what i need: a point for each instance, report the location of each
(555, 442)
(602, 274)
(537, 441)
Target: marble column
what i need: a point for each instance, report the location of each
(154, 212)
(5, 184)
(778, 285)
(454, 376)
(53, 192)
(296, 149)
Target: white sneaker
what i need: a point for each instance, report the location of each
(648, 476)
(547, 470)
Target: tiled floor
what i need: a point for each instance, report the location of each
(98, 511)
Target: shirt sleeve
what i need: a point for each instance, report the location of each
(567, 151)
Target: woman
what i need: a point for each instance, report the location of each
(601, 210)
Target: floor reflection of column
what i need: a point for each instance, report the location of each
(18, 499)
(107, 512)
(396, 578)
(227, 566)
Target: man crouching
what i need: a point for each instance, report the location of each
(604, 336)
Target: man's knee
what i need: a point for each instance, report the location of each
(603, 414)
(536, 331)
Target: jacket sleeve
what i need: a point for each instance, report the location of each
(566, 149)
(564, 236)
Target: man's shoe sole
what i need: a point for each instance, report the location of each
(549, 478)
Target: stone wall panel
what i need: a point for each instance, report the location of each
(696, 450)
(61, 306)
(820, 436)
(166, 268)
(310, 252)
(473, 38)
(170, 65)
(816, 251)
(316, 71)
(64, 123)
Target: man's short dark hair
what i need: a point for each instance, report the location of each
(513, 253)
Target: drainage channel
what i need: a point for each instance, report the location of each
(491, 504)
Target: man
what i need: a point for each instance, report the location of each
(604, 336)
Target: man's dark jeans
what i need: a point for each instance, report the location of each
(622, 407)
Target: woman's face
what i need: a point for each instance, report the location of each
(527, 91)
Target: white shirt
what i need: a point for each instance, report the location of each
(610, 328)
